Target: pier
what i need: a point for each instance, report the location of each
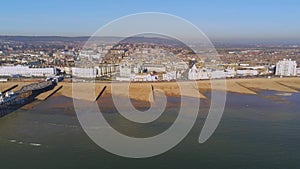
(14, 100)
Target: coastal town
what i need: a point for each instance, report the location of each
(54, 64)
(90, 84)
(137, 61)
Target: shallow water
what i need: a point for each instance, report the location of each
(256, 131)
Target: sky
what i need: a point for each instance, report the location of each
(252, 19)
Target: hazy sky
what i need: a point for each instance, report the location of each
(218, 19)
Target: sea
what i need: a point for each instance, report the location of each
(256, 132)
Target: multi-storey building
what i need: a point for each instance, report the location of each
(286, 68)
(84, 72)
(27, 71)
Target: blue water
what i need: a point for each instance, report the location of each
(256, 132)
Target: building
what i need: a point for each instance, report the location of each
(84, 72)
(150, 77)
(298, 71)
(27, 71)
(230, 73)
(118, 78)
(246, 72)
(286, 68)
(218, 74)
(193, 73)
(106, 69)
(197, 74)
(2, 80)
(192, 62)
(154, 67)
(125, 70)
(172, 75)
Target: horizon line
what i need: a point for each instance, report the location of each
(215, 39)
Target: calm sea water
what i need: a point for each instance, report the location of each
(258, 132)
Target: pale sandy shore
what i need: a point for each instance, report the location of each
(143, 91)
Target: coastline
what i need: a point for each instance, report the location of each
(143, 91)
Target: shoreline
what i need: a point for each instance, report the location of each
(143, 90)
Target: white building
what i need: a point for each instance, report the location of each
(27, 71)
(136, 70)
(125, 70)
(2, 80)
(154, 67)
(123, 78)
(230, 73)
(139, 77)
(106, 69)
(298, 71)
(84, 72)
(197, 74)
(243, 73)
(286, 68)
(218, 74)
(172, 75)
(150, 78)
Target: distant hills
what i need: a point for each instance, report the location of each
(43, 38)
(138, 39)
(156, 40)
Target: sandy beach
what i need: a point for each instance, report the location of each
(143, 91)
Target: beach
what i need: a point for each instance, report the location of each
(143, 91)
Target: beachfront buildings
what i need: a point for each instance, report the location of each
(246, 72)
(171, 75)
(230, 72)
(136, 72)
(204, 73)
(298, 71)
(125, 70)
(154, 67)
(197, 74)
(84, 72)
(286, 68)
(26, 71)
(99, 70)
(106, 69)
